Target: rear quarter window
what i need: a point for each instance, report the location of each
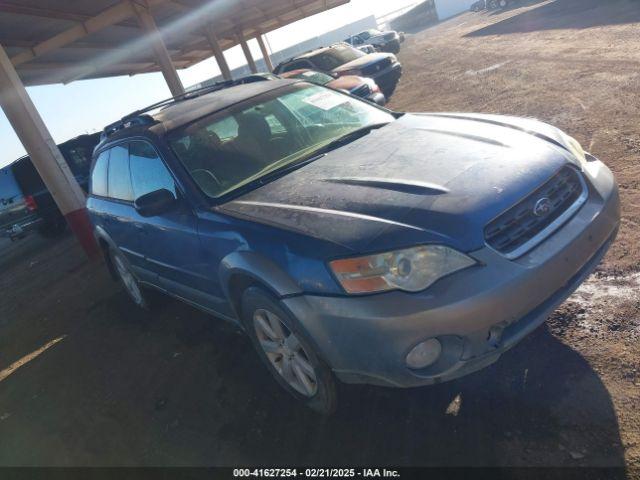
(99, 175)
(119, 177)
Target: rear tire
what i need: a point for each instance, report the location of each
(286, 352)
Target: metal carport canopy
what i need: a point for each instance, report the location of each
(59, 41)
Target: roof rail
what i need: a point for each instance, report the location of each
(126, 122)
(139, 117)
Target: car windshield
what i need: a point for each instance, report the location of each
(229, 149)
(334, 57)
(313, 77)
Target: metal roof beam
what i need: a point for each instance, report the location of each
(16, 8)
(112, 15)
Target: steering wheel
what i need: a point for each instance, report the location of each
(200, 174)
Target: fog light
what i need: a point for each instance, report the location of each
(424, 354)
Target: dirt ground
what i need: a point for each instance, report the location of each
(99, 383)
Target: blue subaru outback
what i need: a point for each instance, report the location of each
(348, 241)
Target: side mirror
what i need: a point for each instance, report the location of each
(154, 203)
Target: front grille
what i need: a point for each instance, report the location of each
(376, 67)
(361, 91)
(516, 228)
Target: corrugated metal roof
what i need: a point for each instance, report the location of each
(107, 40)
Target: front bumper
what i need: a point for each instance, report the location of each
(22, 228)
(388, 78)
(477, 314)
(391, 45)
(377, 98)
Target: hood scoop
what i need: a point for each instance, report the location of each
(466, 136)
(396, 185)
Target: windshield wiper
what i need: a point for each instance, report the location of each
(338, 142)
(346, 139)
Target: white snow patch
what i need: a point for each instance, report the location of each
(488, 69)
(609, 288)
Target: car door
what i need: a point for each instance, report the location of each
(112, 202)
(170, 240)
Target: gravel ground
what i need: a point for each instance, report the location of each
(87, 380)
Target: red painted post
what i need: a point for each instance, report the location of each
(44, 153)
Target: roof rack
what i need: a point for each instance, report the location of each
(140, 117)
(126, 122)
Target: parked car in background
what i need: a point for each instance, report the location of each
(498, 4)
(34, 207)
(388, 41)
(350, 242)
(254, 77)
(342, 59)
(15, 214)
(367, 48)
(359, 86)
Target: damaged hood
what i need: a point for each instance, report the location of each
(424, 178)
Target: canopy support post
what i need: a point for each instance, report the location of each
(218, 53)
(265, 53)
(45, 155)
(148, 24)
(247, 53)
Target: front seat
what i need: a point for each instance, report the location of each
(254, 137)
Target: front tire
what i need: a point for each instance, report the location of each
(128, 280)
(285, 351)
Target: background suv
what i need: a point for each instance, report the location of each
(342, 59)
(25, 202)
(388, 41)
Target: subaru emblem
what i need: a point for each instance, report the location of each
(542, 207)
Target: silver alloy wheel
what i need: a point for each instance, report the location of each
(128, 280)
(284, 351)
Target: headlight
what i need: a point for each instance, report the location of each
(411, 269)
(574, 147)
(371, 83)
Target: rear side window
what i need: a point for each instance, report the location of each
(99, 175)
(148, 172)
(119, 176)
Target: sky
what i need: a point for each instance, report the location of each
(86, 106)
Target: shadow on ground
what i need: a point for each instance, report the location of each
(176, 387)
(516, 4)
(565, 14)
